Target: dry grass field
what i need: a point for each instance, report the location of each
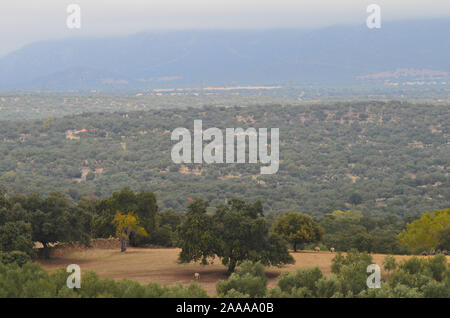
(160, 265)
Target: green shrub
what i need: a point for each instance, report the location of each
(436, 290)
(414, 265)
(386, 291)
(437, 266)
(389, 263)
(250, 279)
(303, 278)
(276, 292)
(193, 290)
(351, 270)
(16, 236)
(403, 277)
(32, 281)
(233, 293)
(327, 287)
(18, 257)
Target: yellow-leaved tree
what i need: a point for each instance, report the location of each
(423, 234)
(126, 224)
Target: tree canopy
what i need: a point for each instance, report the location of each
(423, 234)
(125, 225)
(236, 232)
(298, 228)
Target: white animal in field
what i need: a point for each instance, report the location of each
(196, 276)
(332, 250)
(317, 249)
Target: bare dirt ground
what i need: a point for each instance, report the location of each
(160, 265)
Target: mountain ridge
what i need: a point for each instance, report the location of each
(185, 58)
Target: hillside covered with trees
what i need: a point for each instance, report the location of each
(384, 158)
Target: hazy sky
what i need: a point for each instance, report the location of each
(25, 21)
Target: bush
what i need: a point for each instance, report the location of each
(413, 278)
(304, 278)
(351, 270)
(18, 257)
(327, 287)
(386, 291)
(276, 292)
(437, 266)
(353, 257)
(31, 280)
(389, 263)
(436, 290)
(403, 277)
(412, 266)
(193, 290)
(16, 236)
(353, 279)
(233, 293)
(249, 280)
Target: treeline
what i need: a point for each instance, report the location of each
(412, 278)
(17, 107)
(234, 231)
(26, 219)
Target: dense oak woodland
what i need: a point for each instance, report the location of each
(45, 105)
(383, 158)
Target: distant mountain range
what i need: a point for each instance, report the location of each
(338, 54)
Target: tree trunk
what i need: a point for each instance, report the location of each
(123, 246)
(231, 267)
(46, 250)
(295, 247)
